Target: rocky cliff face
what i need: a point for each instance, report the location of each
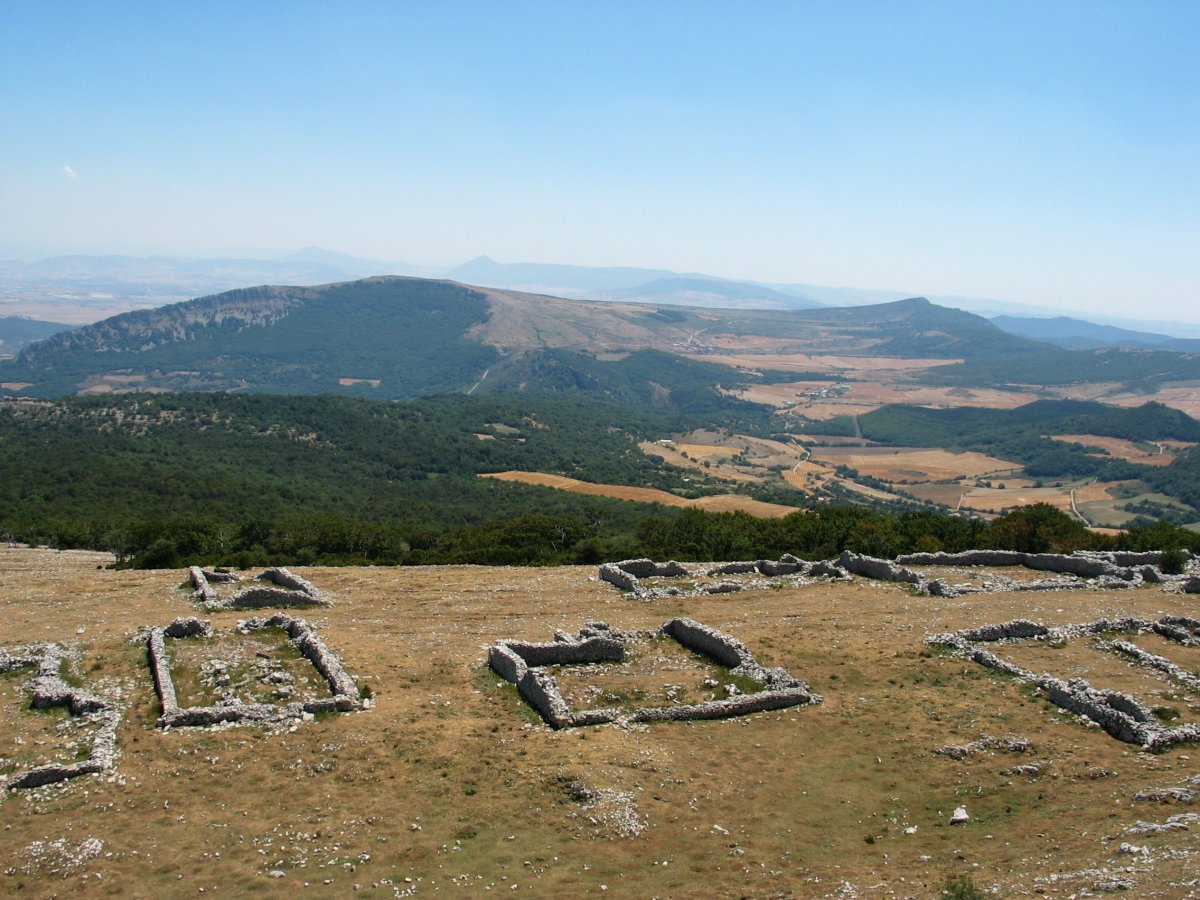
(144, 329)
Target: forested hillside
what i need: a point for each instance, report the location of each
(392, 338)
(397, 338)
(1144, 369)
(235, 479)
(1024, 435)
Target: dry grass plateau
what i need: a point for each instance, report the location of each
(449, 786)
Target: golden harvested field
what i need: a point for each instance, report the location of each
(446, 786)
(999, 499)
(903, 464)
(1096, 492)
(1184, 397)
(946, 494)
(697, 454)
(815, 362)
(703, 451)
(718, 503)
(1119, 448)
(804, 397)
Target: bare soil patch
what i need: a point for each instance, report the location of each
(812, 362)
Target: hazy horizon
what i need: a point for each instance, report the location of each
(1030, 153)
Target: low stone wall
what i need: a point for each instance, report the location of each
(1108, 570)
(1012, 744)
(522, 662)
(736, 568)
(290, 590)
(877, 569)
(1083, 565)
(1184, 629)
(785, 565)
(505, 663)
(345, 690)
(160, 668)
(726, 650)
(49, 690)
(628, 573)
(741, 705)
(188, 626)
(648, 568)
(290, 580)
(266, 597)
(540, 690)
(205, 592)
(1154, 661)
(589, 650)
(614, 574)
(1119, 714)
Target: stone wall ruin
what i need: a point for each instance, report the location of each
(1106, 570)
(344, 690)
(283, 588)
(628, 574)
(523, 663)
(1121, 715)
(48, 689)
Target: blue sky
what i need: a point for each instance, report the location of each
(1043, 153)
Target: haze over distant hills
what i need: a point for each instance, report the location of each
(1077, 334)
(16, 332)
(80, 288)
(394, 337)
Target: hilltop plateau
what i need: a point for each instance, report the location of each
(450, 782)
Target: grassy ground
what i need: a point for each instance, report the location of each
(450, 781)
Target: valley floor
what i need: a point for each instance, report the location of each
(449, 785)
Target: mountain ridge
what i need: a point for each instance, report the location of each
(399, 336)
